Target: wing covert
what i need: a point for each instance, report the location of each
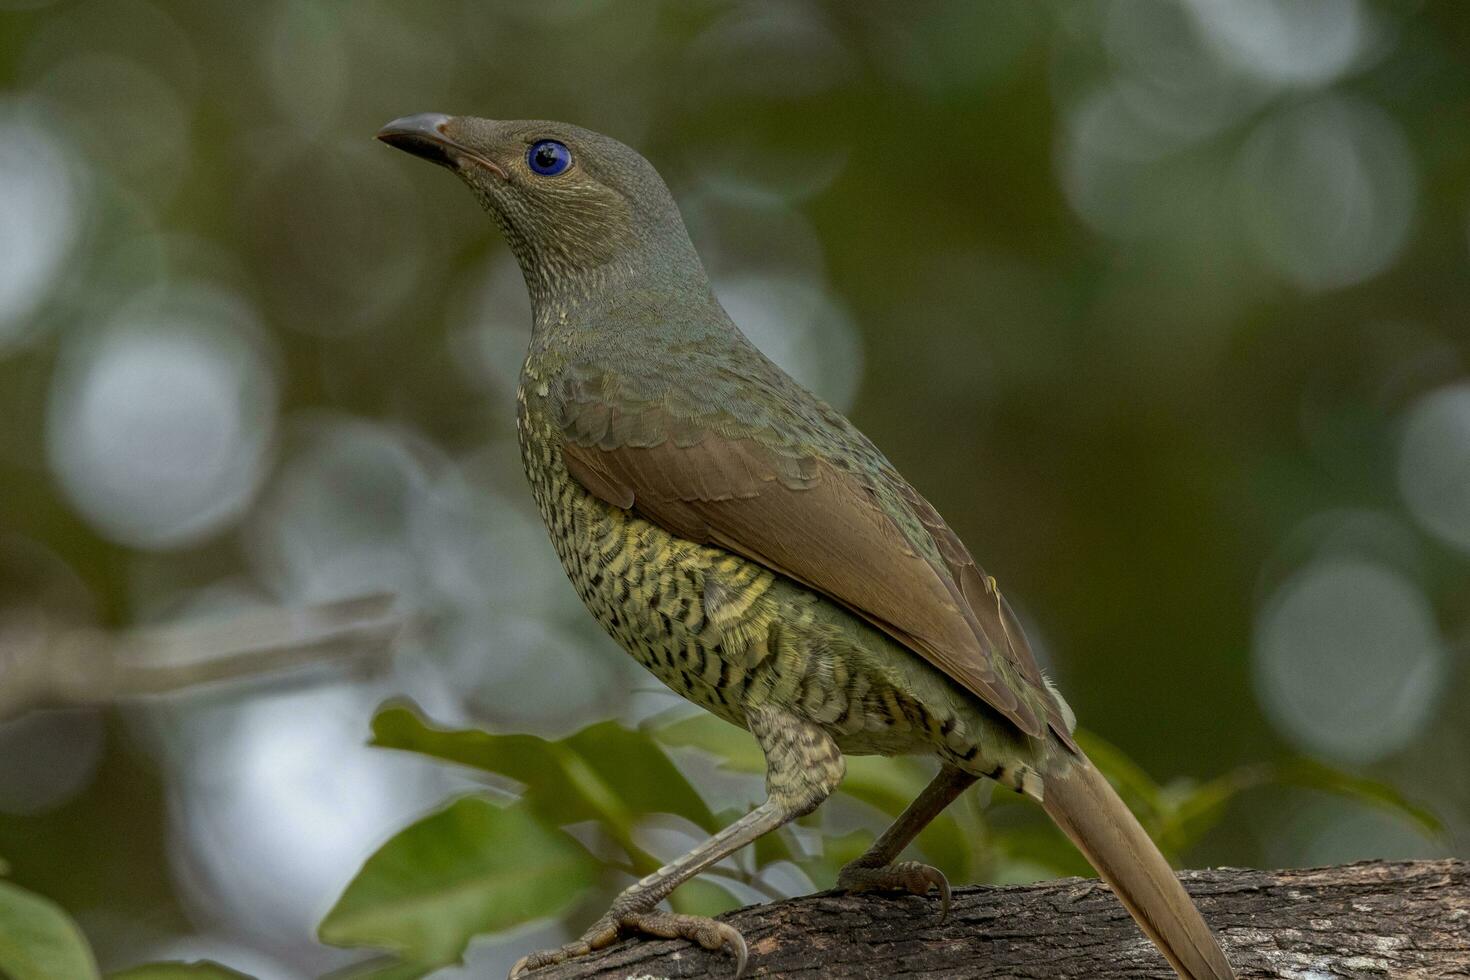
(817, 523)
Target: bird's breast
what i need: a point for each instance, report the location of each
(649, 589)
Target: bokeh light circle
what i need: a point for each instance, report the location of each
(161, 423)
(1328, 190)
(276, 802)
(41, 215)
(335, 522)
(1434, 464)
(1285, 42)
(1348, 661)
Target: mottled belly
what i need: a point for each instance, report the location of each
(725, 632)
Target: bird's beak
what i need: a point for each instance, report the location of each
(424, 135)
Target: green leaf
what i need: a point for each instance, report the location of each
(175, 970)
(1196, 809)
(384, 968)
(734, 747)
(1311, 773)
(39, 941)
(837, 850)
(640, 773)
(772, 847)
(890, 785)
(606, 772)
(521, 757)
(471, 868)
(1034, 845)
(396, 971)
(887, 784)
(705, 896)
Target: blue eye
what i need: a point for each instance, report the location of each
(548, 158)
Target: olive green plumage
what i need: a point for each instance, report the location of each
(753, 550)
(725, 632)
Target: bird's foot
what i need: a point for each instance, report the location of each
(607, 930)
(900, 876)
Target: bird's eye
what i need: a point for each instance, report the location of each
(548, 157)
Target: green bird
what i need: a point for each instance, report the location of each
(755, 552)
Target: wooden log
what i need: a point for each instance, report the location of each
(1400, 920)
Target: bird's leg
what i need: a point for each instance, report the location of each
(876, 869)
(803, 767)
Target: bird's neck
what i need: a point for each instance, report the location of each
(644, 290)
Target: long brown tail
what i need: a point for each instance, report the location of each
(1100, 824)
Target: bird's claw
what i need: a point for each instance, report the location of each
(706, 932)
(900, 876)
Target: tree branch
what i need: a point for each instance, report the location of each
(49, 664)
(1375, 919)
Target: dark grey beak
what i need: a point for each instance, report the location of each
(422, 135)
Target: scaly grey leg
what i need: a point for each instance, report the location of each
(803, 767)
(876, 869)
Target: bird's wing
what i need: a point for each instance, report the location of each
(849, 533)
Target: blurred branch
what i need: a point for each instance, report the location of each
(44, 664)
(1373, 919)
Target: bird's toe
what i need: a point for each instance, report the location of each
(913, 877)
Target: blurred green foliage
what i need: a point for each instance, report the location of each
(480, 866)
(471, 868)
(39, 941)
(476, 868)
(197, 970)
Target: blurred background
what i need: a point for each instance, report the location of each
(1162, 302)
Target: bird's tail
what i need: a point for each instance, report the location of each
(1082, 803)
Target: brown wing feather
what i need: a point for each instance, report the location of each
(821, 526)
(981, 593)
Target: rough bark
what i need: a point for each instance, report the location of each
(1376, 919)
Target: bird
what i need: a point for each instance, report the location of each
(755, 552)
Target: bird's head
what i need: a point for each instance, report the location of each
(572, 203)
